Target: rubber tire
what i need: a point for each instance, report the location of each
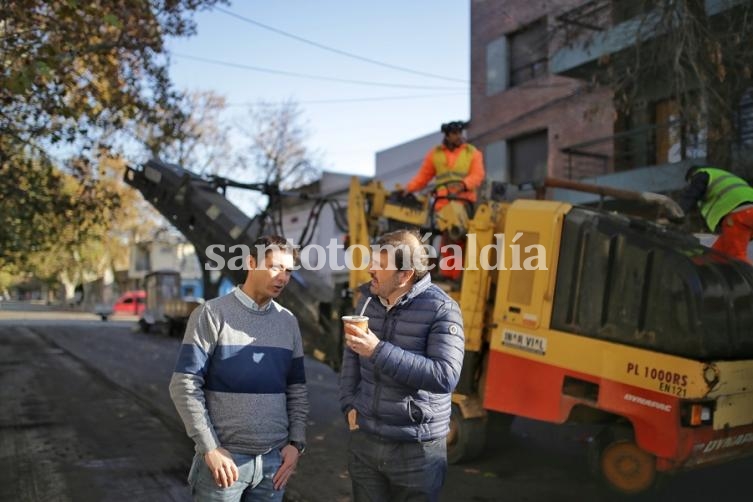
(624, 468)
(467, 437)
(144, 326)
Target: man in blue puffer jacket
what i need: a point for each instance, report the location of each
(398, 376)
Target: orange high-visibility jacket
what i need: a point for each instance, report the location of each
(464, 163)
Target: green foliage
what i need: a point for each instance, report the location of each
(694, 52)
(74, 75)
(73, 66)
(52, 217)
(35, 195)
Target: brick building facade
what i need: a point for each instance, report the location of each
(522, 116)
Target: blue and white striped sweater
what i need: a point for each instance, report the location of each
(239, 381)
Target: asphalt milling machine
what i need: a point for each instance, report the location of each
(625, 324)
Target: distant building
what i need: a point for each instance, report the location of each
(167, 251)
(524, 117)
(534, 114)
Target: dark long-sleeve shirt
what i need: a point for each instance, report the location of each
(694, 191)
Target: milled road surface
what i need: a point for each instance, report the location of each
(86, 416)
(69, 435)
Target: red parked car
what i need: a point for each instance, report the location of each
(130, 303)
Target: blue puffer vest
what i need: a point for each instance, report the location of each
(403, 390)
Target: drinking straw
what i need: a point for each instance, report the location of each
(365, 304)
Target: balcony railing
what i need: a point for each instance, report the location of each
(631, 149)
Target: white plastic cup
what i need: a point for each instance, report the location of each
(361, 321)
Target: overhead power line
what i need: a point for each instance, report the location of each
(312, 77)
(357, 100)
(338, 51)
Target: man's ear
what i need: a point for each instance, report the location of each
(407, 275)
(251, 262)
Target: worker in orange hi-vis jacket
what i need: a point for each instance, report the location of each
(457, 169)
(457, 166)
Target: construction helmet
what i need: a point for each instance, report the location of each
(455, 126)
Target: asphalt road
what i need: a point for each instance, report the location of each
(86, 417)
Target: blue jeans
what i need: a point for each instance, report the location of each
(384, 470)
(254, 479)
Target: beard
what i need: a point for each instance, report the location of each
(386, 288)
(453, 145)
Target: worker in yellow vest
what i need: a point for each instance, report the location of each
(456, 167)
(726, 204)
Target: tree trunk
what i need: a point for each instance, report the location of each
(69, 285)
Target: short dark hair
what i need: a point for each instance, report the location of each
(692, 170)
(409, 252)
(266, 243)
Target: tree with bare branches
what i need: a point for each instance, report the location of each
(203, 145)
(695, 53)
(277, 153)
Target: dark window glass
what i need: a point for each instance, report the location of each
(528, 157)
(529, 53)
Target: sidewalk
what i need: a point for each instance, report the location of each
(27, 311)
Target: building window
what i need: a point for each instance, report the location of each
(496, 66)
(668, 135)
(140, 257)
(674, 140)
(528, 157)
(529, 53)
(496, 162)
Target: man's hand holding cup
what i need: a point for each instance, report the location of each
(357, 335)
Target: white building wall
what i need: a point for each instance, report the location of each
(164, 256)
(295, 218)
(397, 165)
(188, 262)
(169, 253)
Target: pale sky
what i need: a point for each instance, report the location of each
(348, 122)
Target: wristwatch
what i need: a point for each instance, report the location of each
(300, 446)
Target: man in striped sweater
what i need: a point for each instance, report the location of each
(239, 384)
